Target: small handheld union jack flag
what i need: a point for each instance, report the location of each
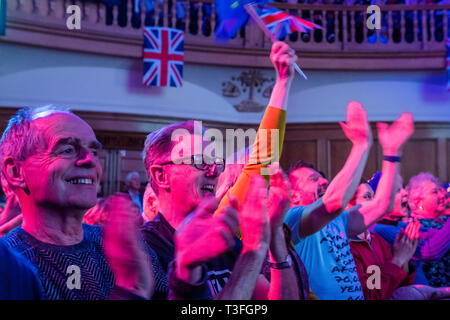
(163, 57)
(280, 23)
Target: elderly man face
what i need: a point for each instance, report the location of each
(65, 170)
(134, 182)
(190, 175)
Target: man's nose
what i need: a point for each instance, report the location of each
(212, 171)
(86, 158)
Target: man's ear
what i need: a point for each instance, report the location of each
(295, 196)
(13, 173)
(159, 176)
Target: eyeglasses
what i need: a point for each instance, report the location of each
(199, 162)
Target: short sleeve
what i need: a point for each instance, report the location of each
(292, 219)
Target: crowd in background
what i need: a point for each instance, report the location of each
(213, 228)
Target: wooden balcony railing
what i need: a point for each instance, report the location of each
(411, 37)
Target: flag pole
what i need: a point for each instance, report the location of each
(251, 11)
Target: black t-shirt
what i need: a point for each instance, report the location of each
(159, 235)
(18, 278)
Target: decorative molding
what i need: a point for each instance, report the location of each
(250, 80)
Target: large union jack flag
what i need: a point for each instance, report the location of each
(280, 23)
(163, 57)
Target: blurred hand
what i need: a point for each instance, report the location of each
(123, 248)
(203, 236)
(11, 216)
(404, 248)
(283, 59)
(412, 229)
(356, 128)
(394, 137)
(11, 224)
(11, 209)
(253, 217)
(279, 197)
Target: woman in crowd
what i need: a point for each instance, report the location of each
(427, 203)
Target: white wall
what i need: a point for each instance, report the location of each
(37, 76)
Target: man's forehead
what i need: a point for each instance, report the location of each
(305, 172)
(62, 126)
(192, 142)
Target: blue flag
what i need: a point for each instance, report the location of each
(232, 16)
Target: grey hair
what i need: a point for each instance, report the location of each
(417, 183)
(158, 145)
(130, 175)
(19, 140)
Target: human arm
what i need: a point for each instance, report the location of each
(343, 186)
(255, 229)
(435, 245)
(283, 282)
(392, 139)
(124, 250)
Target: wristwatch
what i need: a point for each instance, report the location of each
(287, 263)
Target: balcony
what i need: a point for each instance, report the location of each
(411, 37)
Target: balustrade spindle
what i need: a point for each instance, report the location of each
(12, 5)
(336, 25)
(173, 14)
(200, 18)
(129, 14)
(377, 31)
(213, 18)
(165, 14)
(323, 21)
(187, 15)
(101, 14)
(424, 27)
(143, 11)
(156, 11)
(43, 7)
(27, 6)
(351, 31)
(115, 16)
(345, 34)
(390, 29)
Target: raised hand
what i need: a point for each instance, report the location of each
(283, 59)
(253, 217)
(356, 128)
(203, 236)
(123, 249)
(394, 137)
